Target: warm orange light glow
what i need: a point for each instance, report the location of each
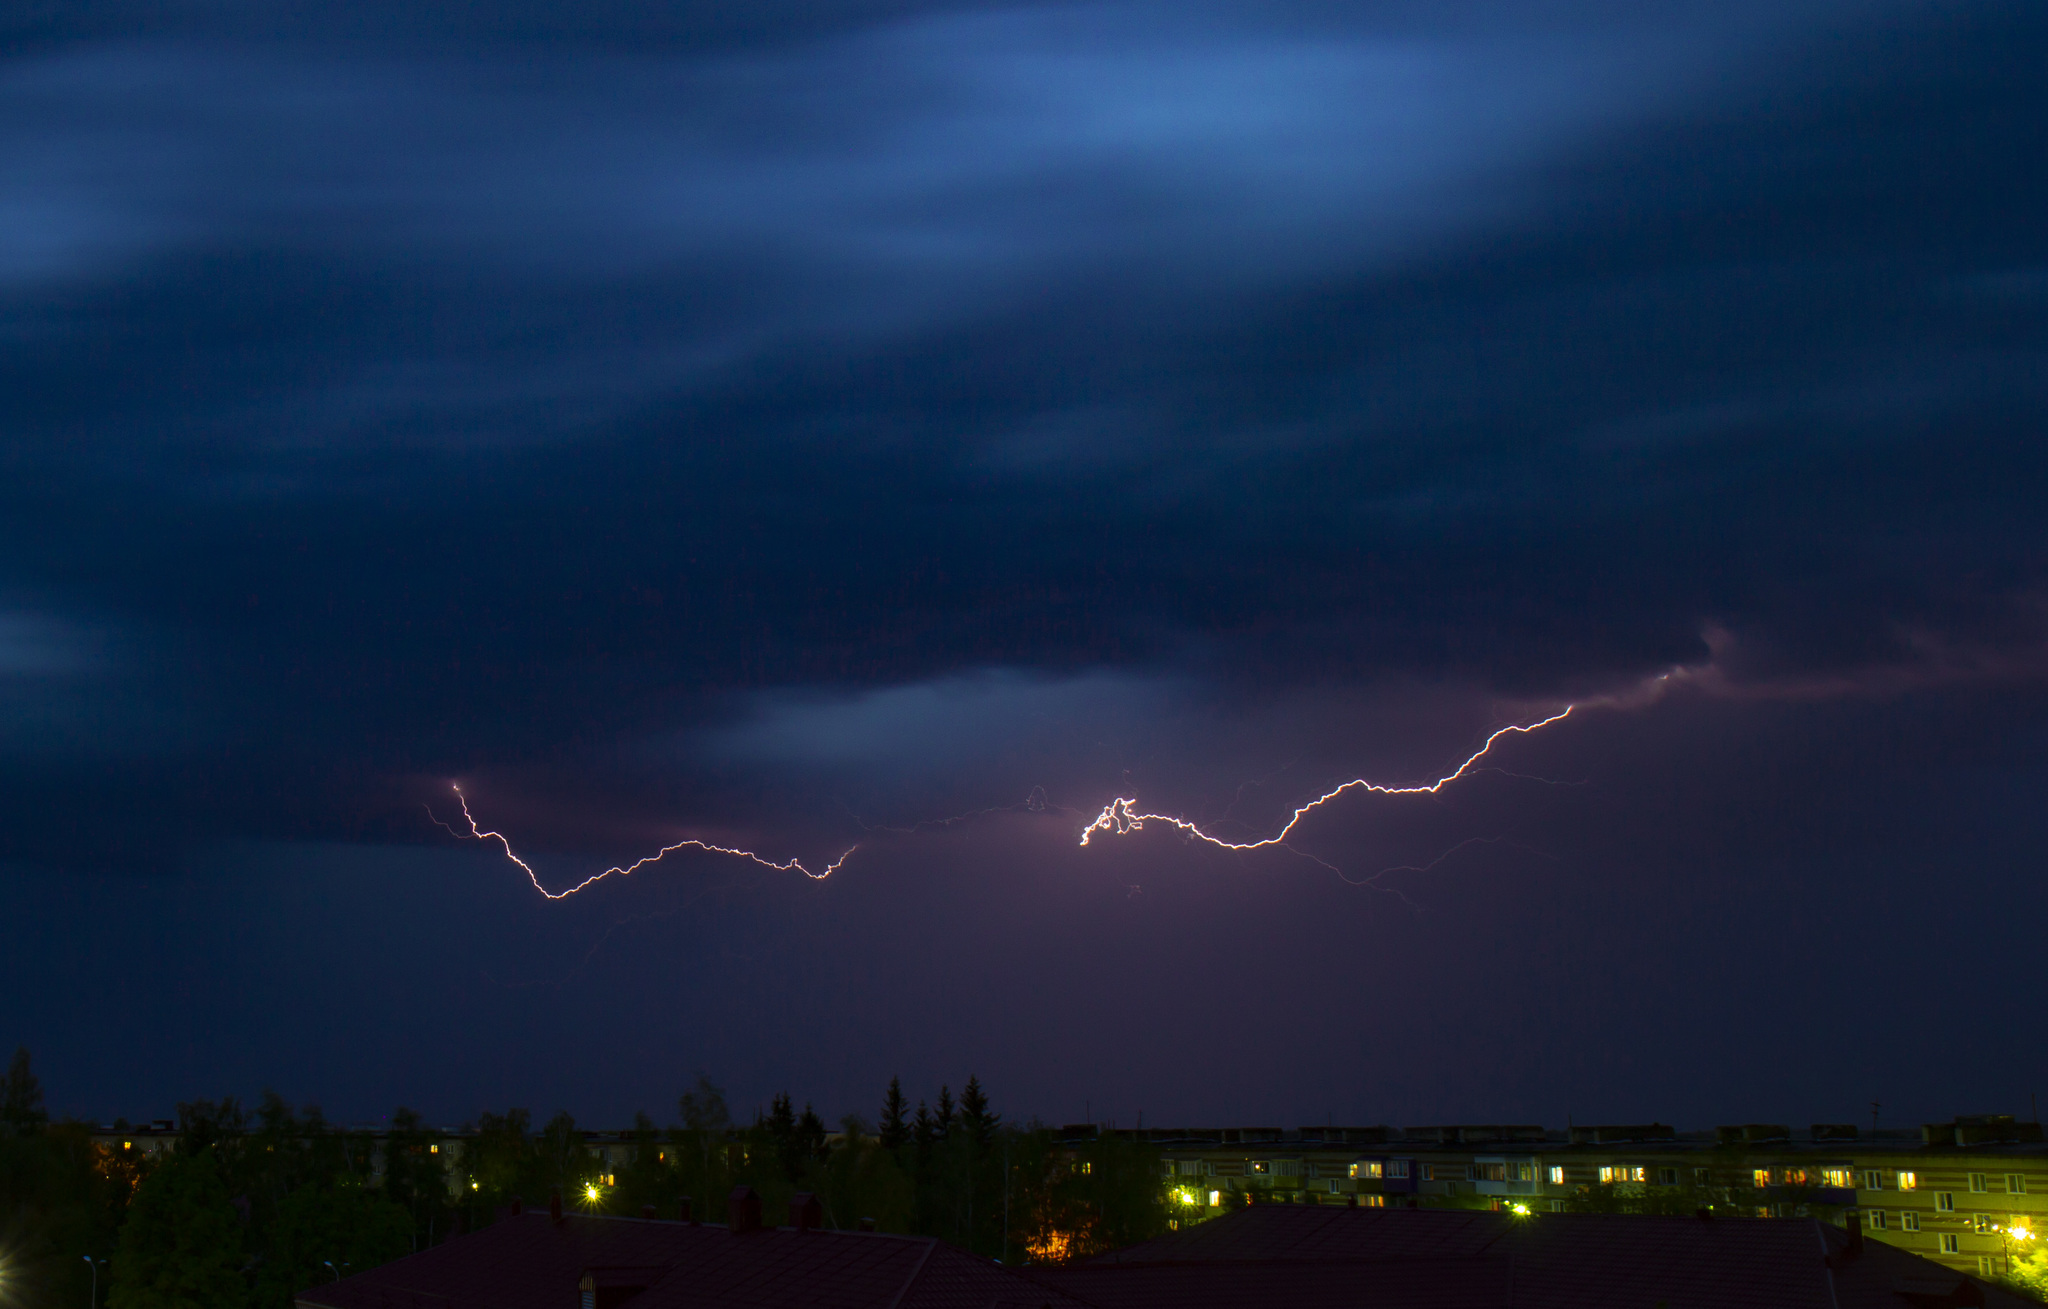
(1051, 1247)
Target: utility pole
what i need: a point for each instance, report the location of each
(1874, 1107)
(1006, 1198)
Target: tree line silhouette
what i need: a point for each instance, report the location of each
(252, 1205)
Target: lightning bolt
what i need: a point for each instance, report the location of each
(628, 870)
(1120, 816)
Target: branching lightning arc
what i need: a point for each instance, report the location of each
(1120, 816)
(629, 869)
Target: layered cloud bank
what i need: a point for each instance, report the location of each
(829, 419)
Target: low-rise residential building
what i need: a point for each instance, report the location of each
(1969, 1194)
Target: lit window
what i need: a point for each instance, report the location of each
(1621, 1173)
(1874, 1219)
(1557, 1175)
(433, 1149)
(1945, 1201)
(1793, 1176)
(1258, 1166)
(2015, 1183)
(1373, 1201)
(1523, 1173)
(1762, 1178)
(1951, 1243)
(1836, 1177)
(1909, 1181)
(1977, 1184)
(1367, 1169)
(1909, 1220)
(1982, 1224)
(1215, 1199)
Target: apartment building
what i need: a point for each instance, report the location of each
(1970, 1194)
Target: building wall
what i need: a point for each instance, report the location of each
(1955, 1205)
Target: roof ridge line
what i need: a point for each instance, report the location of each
(931, 1243)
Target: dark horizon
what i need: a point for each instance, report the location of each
(914, 425)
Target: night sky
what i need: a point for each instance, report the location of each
(794, 424)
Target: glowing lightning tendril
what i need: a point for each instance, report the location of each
(637, 864)
(1119, 817)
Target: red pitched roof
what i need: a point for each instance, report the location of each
(1448, 1259)
(534, 1262)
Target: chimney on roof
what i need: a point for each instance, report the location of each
(743, 1210)
(1351, 1202)
(805, 1212)
(648, 1212)
(555, 1204)
(687, 1216)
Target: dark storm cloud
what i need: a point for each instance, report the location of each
(421, 403)
(869, 413)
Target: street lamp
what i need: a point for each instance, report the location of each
(93, 1296)
(2007, 1235)
(329, 1265)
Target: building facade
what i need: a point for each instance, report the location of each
(1970, 1194)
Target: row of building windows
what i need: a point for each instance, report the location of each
(1609, 1174)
